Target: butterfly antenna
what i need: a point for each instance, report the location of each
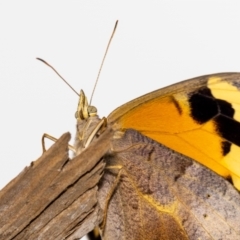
(58, 74)
(105, 54)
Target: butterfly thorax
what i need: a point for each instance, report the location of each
(85, 129)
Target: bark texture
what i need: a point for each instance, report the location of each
(53, 198)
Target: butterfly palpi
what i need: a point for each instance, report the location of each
(153, 187)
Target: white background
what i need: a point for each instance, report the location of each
(157, 43)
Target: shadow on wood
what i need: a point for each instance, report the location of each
(53, 198)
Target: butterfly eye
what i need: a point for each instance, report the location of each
(92, 111)
(84, 111)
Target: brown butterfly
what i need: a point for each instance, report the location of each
(149, 191)
(158, 149)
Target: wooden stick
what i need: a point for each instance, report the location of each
(53, 198)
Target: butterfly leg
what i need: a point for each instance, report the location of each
(45, 135)
(97, 130)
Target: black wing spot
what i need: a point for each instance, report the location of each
(203, 106)
(226, 146)
(228, 128)
(176, 104)
(225, 108)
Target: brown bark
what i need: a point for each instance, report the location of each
(53, 198)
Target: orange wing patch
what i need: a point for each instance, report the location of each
(202, 123)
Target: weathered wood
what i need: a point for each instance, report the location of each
(53, 198)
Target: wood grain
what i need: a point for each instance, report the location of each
(54, 197)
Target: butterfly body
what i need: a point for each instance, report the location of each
(152, 187)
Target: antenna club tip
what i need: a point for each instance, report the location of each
(40, 60)
(116, 23)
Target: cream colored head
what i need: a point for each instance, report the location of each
(84, 111)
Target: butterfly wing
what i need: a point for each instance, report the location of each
(158, 193)
(199, 118)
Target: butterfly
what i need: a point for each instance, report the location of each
(168, 155)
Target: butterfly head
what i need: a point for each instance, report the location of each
(84, 111)
(87, 122)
